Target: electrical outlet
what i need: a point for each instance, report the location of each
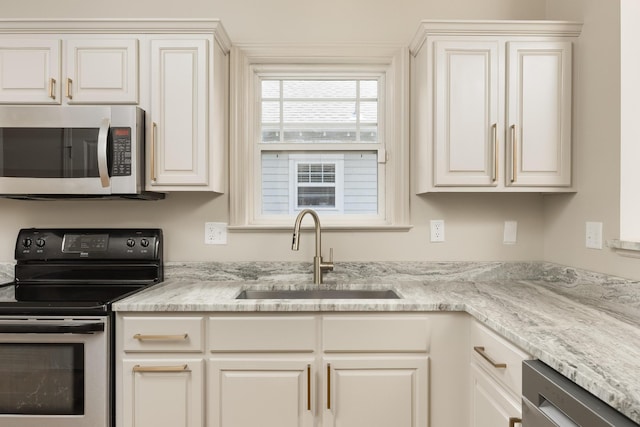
(510, 235)
(215, 233)
(437, 230)
(594, 235)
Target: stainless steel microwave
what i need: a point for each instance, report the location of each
(69, 152)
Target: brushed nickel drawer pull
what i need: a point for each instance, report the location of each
(181, 337)
(494, 130)
(178, 368)
(52, 87)
(481, 352)
(514, 420)
(69, 82)
(328, 386)
(308, 387)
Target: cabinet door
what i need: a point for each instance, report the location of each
(539, 114)
(466, 151)
(29, 71)
(372, 391)
(179, 109)
(491, 404)
(167, 392)
(101, 71)
(247, 392)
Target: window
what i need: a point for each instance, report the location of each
(320, 131)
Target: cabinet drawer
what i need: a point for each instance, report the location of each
(499, 351)
(263, 333)
(375, 333)
(180, 334)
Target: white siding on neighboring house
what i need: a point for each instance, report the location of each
(275, 183)
(359, 183)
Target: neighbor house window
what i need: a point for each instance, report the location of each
(322, 136)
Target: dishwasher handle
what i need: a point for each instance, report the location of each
(51, 328)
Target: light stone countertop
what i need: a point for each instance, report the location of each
(585, 325)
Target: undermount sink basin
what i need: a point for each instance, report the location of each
(319, 294)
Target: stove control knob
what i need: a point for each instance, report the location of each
(144, 243)
(40, 242)
(131, 243)
(27, 242)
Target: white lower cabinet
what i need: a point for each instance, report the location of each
(260, 391)
(314, 370)
(163, 392)
(491, 404)
(496, 379)
(375, 391)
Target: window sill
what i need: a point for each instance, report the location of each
(625, 248)
(330, 227)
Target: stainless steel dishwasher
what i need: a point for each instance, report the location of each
(550, 399)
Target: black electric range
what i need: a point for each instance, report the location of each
(82, 271)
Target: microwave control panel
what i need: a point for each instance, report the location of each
(120, 151)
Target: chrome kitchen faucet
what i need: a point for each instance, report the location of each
(319, 266)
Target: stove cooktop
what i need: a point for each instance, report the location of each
(82, 271)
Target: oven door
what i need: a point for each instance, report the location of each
(55, 372)
(68, 150)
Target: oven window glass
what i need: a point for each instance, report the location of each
(49, 152)
(42, 379)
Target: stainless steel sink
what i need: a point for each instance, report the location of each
(319, 294)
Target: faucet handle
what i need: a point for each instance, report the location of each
(327, 266)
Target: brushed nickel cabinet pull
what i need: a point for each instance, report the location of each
(514, 154)
(328, 386)
(514, 420)
(494, 130)
(154, 129)
(180, 337)
(52, 87)
(178, 368)
(308, 387)
(485, 356)
(69, 81)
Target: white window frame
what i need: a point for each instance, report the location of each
(250, 63)
(337, 160)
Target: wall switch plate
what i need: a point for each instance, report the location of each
(510, 236)
(594, 235)
(437, 230)
(215, 233)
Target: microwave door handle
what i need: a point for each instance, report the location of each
(103, 167)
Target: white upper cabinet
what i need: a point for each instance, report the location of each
(179, 111)
(539, 113)
(29, 71)
(101, 71)
(492, 106)
(69, 70)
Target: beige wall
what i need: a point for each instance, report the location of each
(473, 221)
(597, 132)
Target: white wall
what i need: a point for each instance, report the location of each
(473, 221)
(597, 133)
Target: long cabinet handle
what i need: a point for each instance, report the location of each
(69, 82)
(485, 356)
(308, 387)
(514, 154)
(328, 385)
(179, 337)
(177, 368)
(52, 88)
(154, 129)
(514, 420)
(494, 131)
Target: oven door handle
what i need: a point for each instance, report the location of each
(51, 328)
